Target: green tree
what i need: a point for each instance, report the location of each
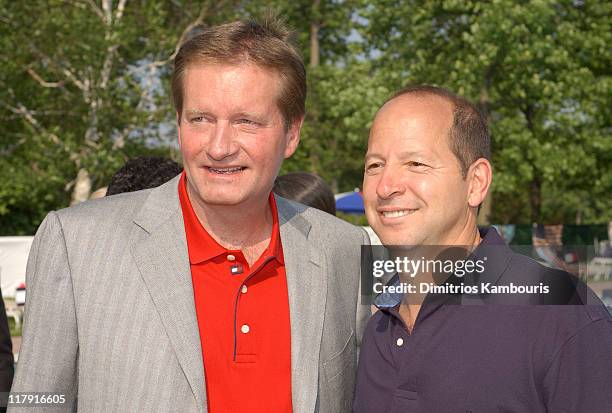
(343, 90)
(83, 92)
(540, 73)
(87, 85)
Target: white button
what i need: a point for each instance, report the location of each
(244, 289)
(245, 328)
(230, 257)
(399, 342)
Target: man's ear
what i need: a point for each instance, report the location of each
(293, 136)
(479, 178)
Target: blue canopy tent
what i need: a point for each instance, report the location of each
(350, 202)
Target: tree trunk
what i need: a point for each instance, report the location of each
(579, 216)
(334, 185)
(535, 192)
(315, 26)
(484, 216)
(82, 187)
(536, 199)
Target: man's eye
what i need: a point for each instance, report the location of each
(417, 164)
(373, 166)
(247, 122)
(197, 119)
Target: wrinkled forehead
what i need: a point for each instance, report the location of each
(265, 77)
(239, 65)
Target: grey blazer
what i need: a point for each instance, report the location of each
(110, 319)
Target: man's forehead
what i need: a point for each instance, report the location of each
(231, 66)
(412, 106)
(244, 87)
(414, 114)
(415, 120)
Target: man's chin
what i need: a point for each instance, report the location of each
(394, 235)
(230, 200)
(399, 238)
(224, 197)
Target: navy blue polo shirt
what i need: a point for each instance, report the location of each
(487, 358)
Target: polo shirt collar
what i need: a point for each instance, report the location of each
(492, 246)
(387, 299)
(275, 248)
(497, 254)
(203, 247)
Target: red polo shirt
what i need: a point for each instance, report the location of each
(243, 317)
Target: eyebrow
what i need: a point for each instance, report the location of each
(191, 112)
(250, 115)
(401, 155)
(197, 112)
(372, 155)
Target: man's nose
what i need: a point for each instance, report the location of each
(390, 183)
(221, 144)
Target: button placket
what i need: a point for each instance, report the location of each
(246, 346)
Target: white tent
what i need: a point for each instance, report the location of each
(13, 259)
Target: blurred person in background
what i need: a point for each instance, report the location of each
(306, 188)
(6, 353)
(144, 172)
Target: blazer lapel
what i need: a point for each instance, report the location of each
(307, 289)
(162, 258)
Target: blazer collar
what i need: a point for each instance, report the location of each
(162, 258)
(161, 204)
(163, 262)
(305, 268)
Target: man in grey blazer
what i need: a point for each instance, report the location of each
(121, 312)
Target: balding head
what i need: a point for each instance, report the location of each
(468, 135)
(425, 176)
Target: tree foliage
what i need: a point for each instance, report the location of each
(80, 94)
(85, 87)
(540, 73)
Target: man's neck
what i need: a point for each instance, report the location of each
(470, 238)
(237, 227)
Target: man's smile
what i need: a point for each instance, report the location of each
(397, 214)
(230, 170)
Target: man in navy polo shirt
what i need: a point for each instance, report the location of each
(427, 171)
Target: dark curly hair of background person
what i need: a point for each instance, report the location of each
(143, 173)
